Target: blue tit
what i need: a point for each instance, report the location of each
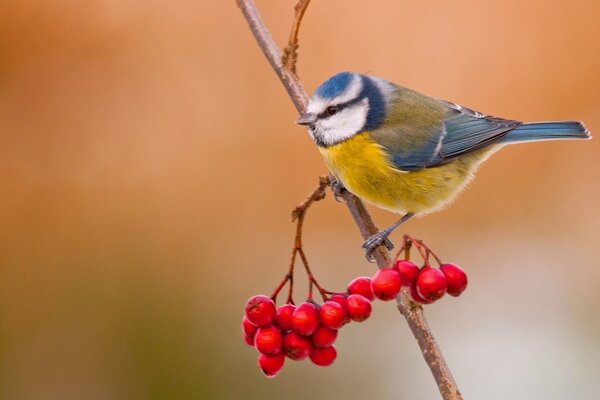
(406, 152)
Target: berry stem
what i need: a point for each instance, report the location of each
(311, 278)
(298, 214)
(286, 278)
(290, 299)
(406, 245)
(422, 248)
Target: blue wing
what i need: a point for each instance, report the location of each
(460, 132)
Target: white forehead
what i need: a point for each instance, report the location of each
(352, 91)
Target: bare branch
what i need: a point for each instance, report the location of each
(265, 41)
(410, 310)
(290, 53)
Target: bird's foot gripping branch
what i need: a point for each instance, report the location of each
(309, 330)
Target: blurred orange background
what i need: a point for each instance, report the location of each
(149, 163)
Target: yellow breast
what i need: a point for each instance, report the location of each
(364, 168)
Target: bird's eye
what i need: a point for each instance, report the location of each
(331, 110)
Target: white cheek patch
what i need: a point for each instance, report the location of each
(345, 124)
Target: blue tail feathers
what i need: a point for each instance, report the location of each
(534, 131)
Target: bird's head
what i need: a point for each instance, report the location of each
(344, 105)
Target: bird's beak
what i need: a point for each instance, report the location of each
(307, 119)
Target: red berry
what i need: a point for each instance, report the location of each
(260, 310)
(268, 339)
(385, 284)
(323, 356)
(340, 299)
(456, 278)
(248, 328)
(295, 346)
(323, 336)
(362, 286)
(407, 270)
(415, 294)
(283, 317)
(271, 365)
(332, 314)
(431, 284)
(305, 319)
(249, 340)
(358, 307)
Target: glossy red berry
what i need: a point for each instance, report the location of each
(455, 277)
(332, 314)
(362, 286)
(268, 339)
(271, 364)
(407, 270)
(324, 337)
(386, 284)
(431, 284)
(260, 310)
(323, 356)
(295, 346)
(283, 317)
(415, 294)
(340, 299)
(248, 328)
(305, 319)
(249, 340)
(358, 307)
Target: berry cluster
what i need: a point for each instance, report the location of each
(428, 284)
(308, 330)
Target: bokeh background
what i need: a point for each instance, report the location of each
(149, 163)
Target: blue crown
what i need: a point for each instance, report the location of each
(335, 85)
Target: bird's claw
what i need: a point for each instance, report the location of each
(337, 188)
(375, 241)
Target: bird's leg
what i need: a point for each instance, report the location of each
(381, 237)
(337, 187)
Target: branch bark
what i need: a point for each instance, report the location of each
(412, 312)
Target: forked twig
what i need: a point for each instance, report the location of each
(298, 215)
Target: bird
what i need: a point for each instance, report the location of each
(406, 152)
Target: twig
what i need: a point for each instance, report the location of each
(316, 195)
(290, 53)
(298, 215)
(412, 312)
(422, 248)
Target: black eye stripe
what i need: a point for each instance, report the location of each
(327, 114)
(339, 107)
